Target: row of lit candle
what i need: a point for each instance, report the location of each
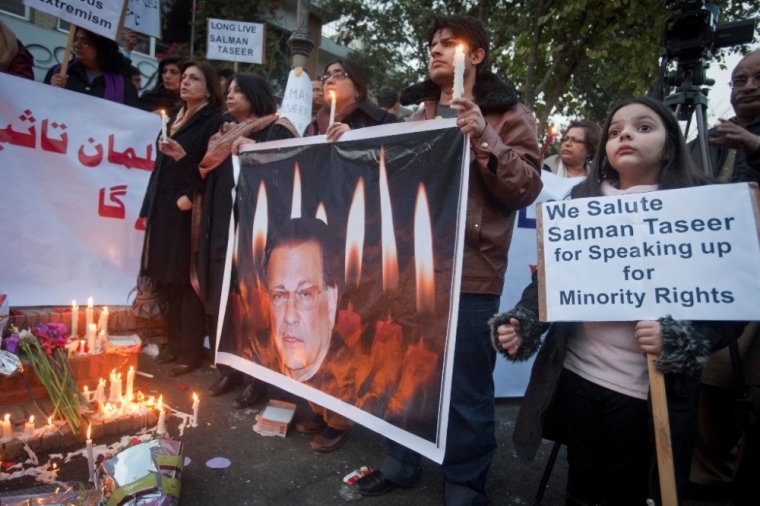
(91, 330)
(29, 429)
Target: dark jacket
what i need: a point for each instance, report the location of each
(746, 167)
(166, 251)
(366, 115)
(78, 82)
(505, 176)
(215, 221)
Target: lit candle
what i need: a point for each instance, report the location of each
(81, 346)
(90, 459)
(103, 320)
(100, 392)
(332, 107)
(164, 124)
(86, 393)
(119, 396)
(7, 429)
(74, 319)
(88, 313)
(107, 410)
(549, 140)
(160, 403)
(161, 427)
(92, 332)
(50, 428)
(196, 405)
(130, 383)
(29, 427)
(458, 72)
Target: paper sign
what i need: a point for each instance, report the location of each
(296, 102)
(144, 16)
(692, 254)
(235, 41)
(98, 16)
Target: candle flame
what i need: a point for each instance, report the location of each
(163, 113)
(86, 389)
(31, 419)
(105, 309)
(50, 420)
(74, 304)
(460, 48)
(7, 417)
(118, 377)
(55, 466)
(109, 407)
(140, 397)
(390, 260)
(101, 381)
(195, 397)
(332, 95)
(89, 302)
(160, 404)
(322, 213)
(131, 368)
(552, 131)
(295, 209)
(89, 431)
(151, 400)
(260, 221)
(355, 235)
(423, 254)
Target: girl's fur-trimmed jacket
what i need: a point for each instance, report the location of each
(686, 346)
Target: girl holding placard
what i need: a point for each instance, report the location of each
(589, 385)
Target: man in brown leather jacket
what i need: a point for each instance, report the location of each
(505, 175)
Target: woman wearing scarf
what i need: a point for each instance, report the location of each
(98, 69)
(167, 210)
(251, 104)
(165, 95)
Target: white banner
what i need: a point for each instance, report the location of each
(235, 41)
(296, 102)
(99, 16)
(144, 16)
(691, 253)
(74, 172)
(511, 379)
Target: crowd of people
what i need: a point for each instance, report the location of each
(589, 387)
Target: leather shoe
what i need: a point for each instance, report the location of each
(180, 369)
(165, 358)
(374, 484)
(223, 385)
(312, 425)
(321, 444)
(248, 397)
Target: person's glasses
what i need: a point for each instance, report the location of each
(303, 299)
(572, 140)
(82, 42)
(337, 76)
(741, 82)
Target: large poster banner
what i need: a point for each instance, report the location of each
(645, 256)
(74, 171)
(98, 16)
(345, 274)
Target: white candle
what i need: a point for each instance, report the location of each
(88, 314)
(130, 383)
(86, 393)
(81, 346)
(161, 427)
(196, 405)
(92, 332)
(100, 392)
(7, 429)
(29, 427)
(458, 72)
(332, 107)
(90, 459)
(50, 428)
(119, 396)
(164, 124)
(107, 410)
(74, 319)
(103, 320)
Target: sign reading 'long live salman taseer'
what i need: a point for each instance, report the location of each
(239, 41)
(343, 274)
(98, 16)
(691, 253)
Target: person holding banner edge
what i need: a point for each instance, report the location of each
(166, 209)
(589, 387)
(505, 175)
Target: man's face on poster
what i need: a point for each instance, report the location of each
(302, 307)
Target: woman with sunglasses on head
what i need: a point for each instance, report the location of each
(577, 148)
(345, 79)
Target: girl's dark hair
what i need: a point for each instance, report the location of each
(176, 60)
(213, 87)
(592, 131)
(355, 73)
(468, 28)
(256, 89)
(677, 169)
(108, 57)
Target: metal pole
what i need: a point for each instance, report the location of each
(300, 42)
(192, 31)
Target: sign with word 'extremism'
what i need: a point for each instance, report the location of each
(692, 253)
(99, 16)
(235, 41)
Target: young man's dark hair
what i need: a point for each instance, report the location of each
(468, 28)
(387, 98)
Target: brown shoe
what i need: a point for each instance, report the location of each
(312, 425)
(319, 443)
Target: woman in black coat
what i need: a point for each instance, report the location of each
(167, 206)
(251, 103)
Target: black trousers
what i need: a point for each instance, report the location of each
(608, 447)
(186, 320)
(212, 321)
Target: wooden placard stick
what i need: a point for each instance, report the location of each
(235, 67)
(121, 21)
(67, 51)
(542, 310)
(662, 440)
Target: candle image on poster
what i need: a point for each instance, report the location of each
(235, 41)
(346, 271)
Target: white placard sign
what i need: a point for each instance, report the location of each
(296, 102)
(235, 41)
(98, 16)
(144, 16)
(692, 253)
